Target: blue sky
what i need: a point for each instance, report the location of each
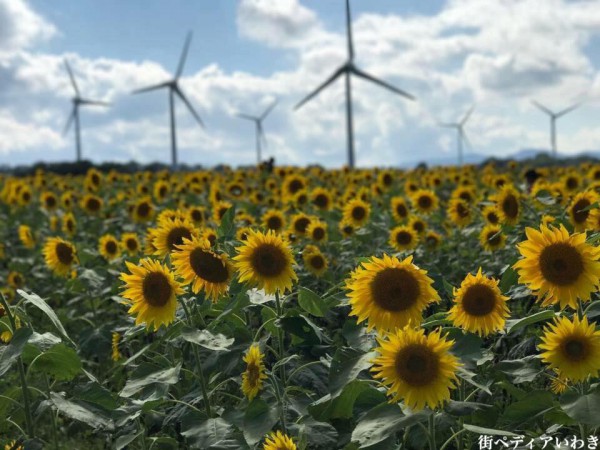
(449, 54)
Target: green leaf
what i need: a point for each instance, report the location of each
(206, 339)
(381, 422)
(36, 300)
(528, 407)
(258, 420)
(60, 361)
(522, 370)
(311, 302)
(341, 407)
(516, 324)
(10, 353)
(346, 364)
(227, 227)
(78, 412)
(582, 408)
(165, 377)
(207, 433)
(508, 280)
(487, 431)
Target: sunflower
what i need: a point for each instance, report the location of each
(389, 293)
(204, 269)
(152, 290)
(300, 223)
(491, 238)
(15, 280)
(197, 214)
(273, 220)
(26, 237)
(459, 212)
(60, 255)
(580, 209)
(321, 198)
(265, 261)
(508, 204)
(49, 201)
(161, 189)
(92, 204)
(400, 210)
(13, 445)
(108, 247)
(314, 261)
(130, 243)
(432, 240)
(241, 234)
(418, 224)
(142, 210)
(479, 306)
(490, 214)
(219, 209)
(416, 368)
(210, 235)
(572, 347)
(279, 441)
(346, 228)
(356, 212)
(69, 224)
(170, 234)
(116, 354)
(403, 238)
(559, 384)
(317, 231)
(558, 267)
(253, 376)
(425, 201)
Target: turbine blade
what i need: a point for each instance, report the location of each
(268, 110)
(84, 101)
(388, 86)
(542, 107)
(189, 106)
(247, 117)
(448, 125)
(69, 121)
(72, 77)
(467, 115)
(152, 88)
(326, 83)
(568, 110)
(184, 54)
(349, 31)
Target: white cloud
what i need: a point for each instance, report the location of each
(21, 27)
(18, 136)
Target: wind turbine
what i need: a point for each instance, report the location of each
(74, 116)
(553, 116)
(260, 132)
(461, 136)
(347, 69)
(175, 90)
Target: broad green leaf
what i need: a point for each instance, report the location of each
(10, 353)
(522, 370)
(528, 407)
(311, 302)
(37, 301)
(258, 420)
(60, 361)
(509, 279)
(381, 422)
(206, 339)
(487, 431)
(166, 376)
(346, 364)
(516, 324)
(227, 227)
(79, 412)
(582, 408)
(206, 433)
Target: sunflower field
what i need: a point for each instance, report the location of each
(301, 308)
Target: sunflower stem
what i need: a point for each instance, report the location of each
(54, 429)
(198, 364)
(432, 431)
(280, 337)
(24, 387)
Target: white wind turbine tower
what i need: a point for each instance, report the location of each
(461, 136)
(261, 138)
(347, 69)
(74, 116)
(553, 116)
(175, 90)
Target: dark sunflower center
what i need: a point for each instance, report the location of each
(492, 218)
(401, 210)
(64, 253)
(50, 202)
(132, 244)
(348, 229)
(510, 206)
(417, 365)
(70, 226)
(156, 289)
(196, 215)
(317, 262)
(575, 349)
(494, 238)
(579, 215)
(395, 289)
(403, 238)
(462, 211)
(358, 213)
(93, 204)
(418, 226)
(17, 280)
(301, 224)
(465, 196)
(387, 179)
(268, 260)
(572, 183)
(425, 202)
(295, 186)
(274, 223)
(26, 196)
(479, 300)
(176, 235)
(208, 267)
(253, 372)
(162, 191)
(318, 234)
(143, 209)
(321, 201)
(111, 247)
(561, 264)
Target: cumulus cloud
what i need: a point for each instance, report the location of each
(21, 27)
